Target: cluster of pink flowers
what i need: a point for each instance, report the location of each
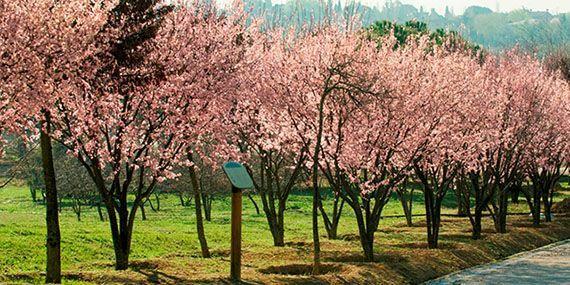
(389, 109)
(229, 88)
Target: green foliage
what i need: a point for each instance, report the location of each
(402, 32)
(490, 29)
(414, 29)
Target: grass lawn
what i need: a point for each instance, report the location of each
(165, 247)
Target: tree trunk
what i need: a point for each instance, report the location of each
(501, 215)
(78, 211)
(461, 203)
(101, 217)
(315, 181)
(122, 252)
(367, 242)
(254, 204)
(207, 207)
(124, 231)
(157, 197)
(121, 258)
(272, 215)
(407, 204)
(332, 232)
(536, 195)
(476, 234)
(433, 215)
(366, 236)
(547, 199)
(432, 242)
(331, 224)
(143, 213)
(280, 221)
(515, 193)
(53, 265)
(120, 231)
(34, 194)
(315, 210)
(316, 242)
(277, 233)
(199, 219)
(337, 213)
(152, 206)
(436, 223)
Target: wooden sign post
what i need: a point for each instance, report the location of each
(240, 179)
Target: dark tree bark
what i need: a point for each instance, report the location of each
(479, 186)
(274, 186)
(545, 180)
(331, 222)
(515, 193)
(462, 203)
(367, 208)
(115, 198)
(121, 229)
(315, 182)
(53, 265)
(499, 210)
(433, 218)
(207, 199)
(547, 197)
(143, 213)
(368, 212)
(254, 203)
(435, 186)
(77, 208)
(506, 169)
(407, 200)
(101, 217)
(533, 195)
(34, 194)
(315, 223)
(198, 208)
(155, 207)
(185, 202)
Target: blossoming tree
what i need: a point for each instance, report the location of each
(43, 44)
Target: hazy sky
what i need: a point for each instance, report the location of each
(554, 6)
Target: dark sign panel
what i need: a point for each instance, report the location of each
(238, 175)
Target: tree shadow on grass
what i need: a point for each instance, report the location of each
(299, 245)
(358, 257)
(529, 224)
(349, 237)
(424, 245)
(38, 277)
(360, 271)
(301, 269)
(154, 275)
(459, 237)
(303, 273)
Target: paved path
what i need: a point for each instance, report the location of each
(546, 265)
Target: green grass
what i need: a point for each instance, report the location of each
(169, 235)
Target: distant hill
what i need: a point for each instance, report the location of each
(495, 31)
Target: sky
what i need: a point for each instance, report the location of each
(458, 6)
(554, 6)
